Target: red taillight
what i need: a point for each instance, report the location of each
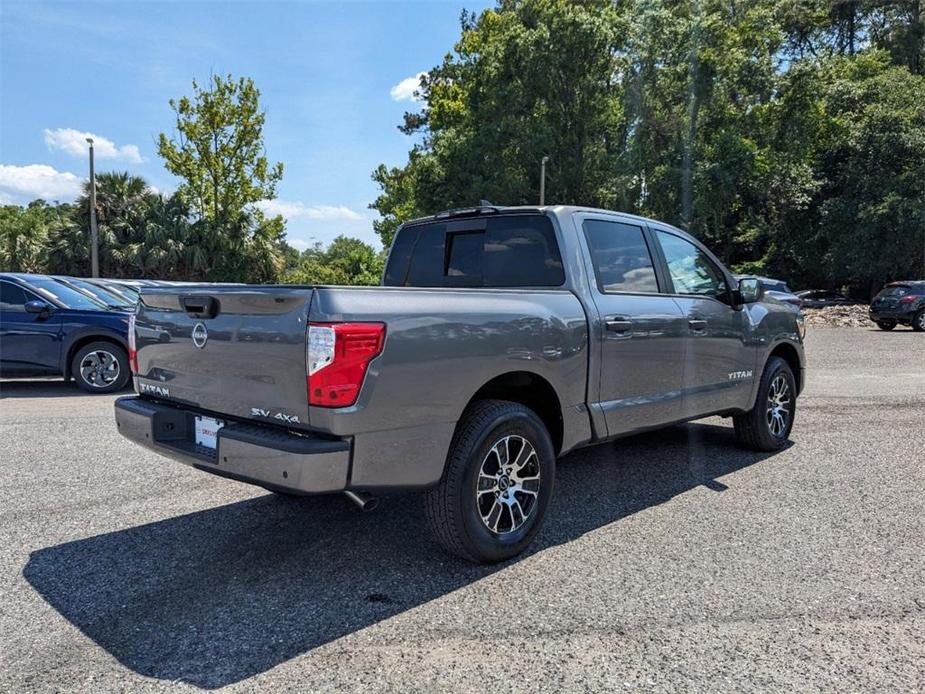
(336, 359)
(132, 349)
(908, 299)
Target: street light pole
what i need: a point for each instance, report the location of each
(543, 180)
(94, 232)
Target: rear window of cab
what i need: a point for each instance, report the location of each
(501, 251)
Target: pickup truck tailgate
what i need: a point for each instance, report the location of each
(231, 350)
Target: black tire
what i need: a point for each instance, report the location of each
(754, 429)
(886, 324)
(918, 321)
(112, 377)
(455, 512)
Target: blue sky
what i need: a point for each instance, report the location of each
(327, 71)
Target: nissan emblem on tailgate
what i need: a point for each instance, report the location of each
(200, 335)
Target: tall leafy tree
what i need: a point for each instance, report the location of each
(218, 152)
(218, 149)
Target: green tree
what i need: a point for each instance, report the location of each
(218, 149)
(346, 261)
(123, 203)
(785, 133)
(24, 234)
(530, 79)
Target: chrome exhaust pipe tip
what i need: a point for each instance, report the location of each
(364, 500)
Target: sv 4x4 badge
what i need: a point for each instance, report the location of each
(281, 416)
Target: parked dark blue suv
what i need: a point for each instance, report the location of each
(48, 327)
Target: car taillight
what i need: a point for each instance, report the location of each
(908, 299)
(132, 349)
(337, 355)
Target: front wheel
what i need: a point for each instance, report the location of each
(497, 483)
(101, 367)
(886, 324)
(766, 427)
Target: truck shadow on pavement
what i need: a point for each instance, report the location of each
(214, 597)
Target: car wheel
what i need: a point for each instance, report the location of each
(101, 367)
(496, 485)
(918, 321)
(886, 324)
(766, 427)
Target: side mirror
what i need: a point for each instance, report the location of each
(37, 306)
(749, 291)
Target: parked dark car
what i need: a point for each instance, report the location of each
(49, 328)
(900, 303)
(820, 298)
(128, 292)
(775, 289)
(108, 296)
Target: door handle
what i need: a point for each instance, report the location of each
(697, 325)
(618, 325)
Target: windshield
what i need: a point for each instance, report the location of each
(775, 286)
(107, 296)
(128, 291)
(70, 297)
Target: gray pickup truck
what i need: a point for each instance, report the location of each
(500, 339)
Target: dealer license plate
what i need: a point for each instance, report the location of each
(207, 431)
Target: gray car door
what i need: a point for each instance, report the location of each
(719, 355)
(641, 330)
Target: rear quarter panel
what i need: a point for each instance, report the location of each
(441, 346)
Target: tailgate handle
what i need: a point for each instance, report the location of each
(200, 306)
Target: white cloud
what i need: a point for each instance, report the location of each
(25, 183)
(404, 90)
(75, 142)
(298, 210)
(298, 244)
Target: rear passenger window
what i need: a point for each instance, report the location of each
(620, 256)
(503, 251)
(522, 252)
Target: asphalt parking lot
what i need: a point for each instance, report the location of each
(671, 561)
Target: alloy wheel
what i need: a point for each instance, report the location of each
(99, 368)
(778, 406)
(508, 484)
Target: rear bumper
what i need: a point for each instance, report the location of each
(898, 315)
(258, 455)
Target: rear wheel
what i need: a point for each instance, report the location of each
(101, 367)
(886, 324)
(497, 483)
(918, 321)
(766, 427)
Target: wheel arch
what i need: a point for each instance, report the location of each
(530, 390)
(789, 354)
(85, 340)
